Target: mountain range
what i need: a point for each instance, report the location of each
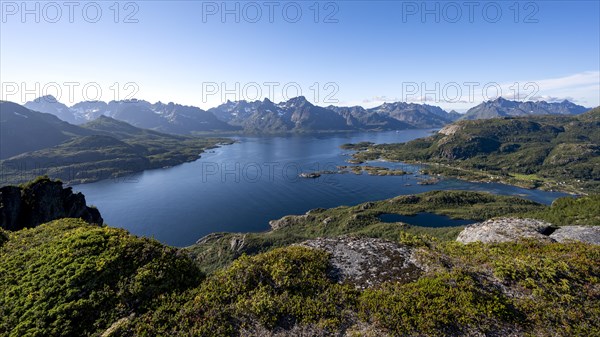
(294, 115)
(171, 118)
(501, 107)
(34, 143)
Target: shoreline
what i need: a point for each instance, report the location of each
(16, 179)
(446, 171)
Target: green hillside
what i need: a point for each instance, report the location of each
(101, 149)
(549, 152)
(23, 130)
(68, 278)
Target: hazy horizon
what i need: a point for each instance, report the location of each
(52, 99)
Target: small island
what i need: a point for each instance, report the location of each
(430, 181)
(372, 170)
(356, 169)
(309, 175)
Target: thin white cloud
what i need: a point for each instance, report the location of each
(580, 88)
(571, 81)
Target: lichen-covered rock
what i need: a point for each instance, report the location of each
(368, 262)
(237, 242)
(450, 129)
(287, 221)
(366, 205)
(506, 230)
(358, 328)
(588, 234)
(210, 238)
(41, 201)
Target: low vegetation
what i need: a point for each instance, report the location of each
(279, 289)
(68, 278)
(571, 211)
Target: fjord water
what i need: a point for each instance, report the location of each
(240, 187)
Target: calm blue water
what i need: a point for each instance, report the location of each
(240, 187)
(425, 220)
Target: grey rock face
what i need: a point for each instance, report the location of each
(286, 221)
(514, 229)
(41, 202)
(210, 237)
(237, 243)
(368, 262)
(506, 230)
(588, 234)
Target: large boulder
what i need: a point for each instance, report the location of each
(514, 229)
(368, 262)
(41, 201)
(506, 230)
(589, 234)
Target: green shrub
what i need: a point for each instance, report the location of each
(435, 305)
(283, 287)
(572, 211)
(67, 278)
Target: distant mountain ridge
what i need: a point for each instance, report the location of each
(418, 115)
(34, 143)
(501, 107)
(23, 130)
(294, 115)
(171, 117)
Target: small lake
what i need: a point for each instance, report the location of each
(425, 220)
(240, 187)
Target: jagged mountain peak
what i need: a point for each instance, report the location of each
(501, 107)
(46, 99)
(297, 101)
(296, 113)
(50, 104)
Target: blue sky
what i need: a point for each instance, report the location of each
(366, 53)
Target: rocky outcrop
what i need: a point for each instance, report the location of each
(450, 129)
(513, 230)
(41, 201)
(506, 230)
(237, 243)
(288, 220)
(368, 262)
(588, 234)
(210, 238)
